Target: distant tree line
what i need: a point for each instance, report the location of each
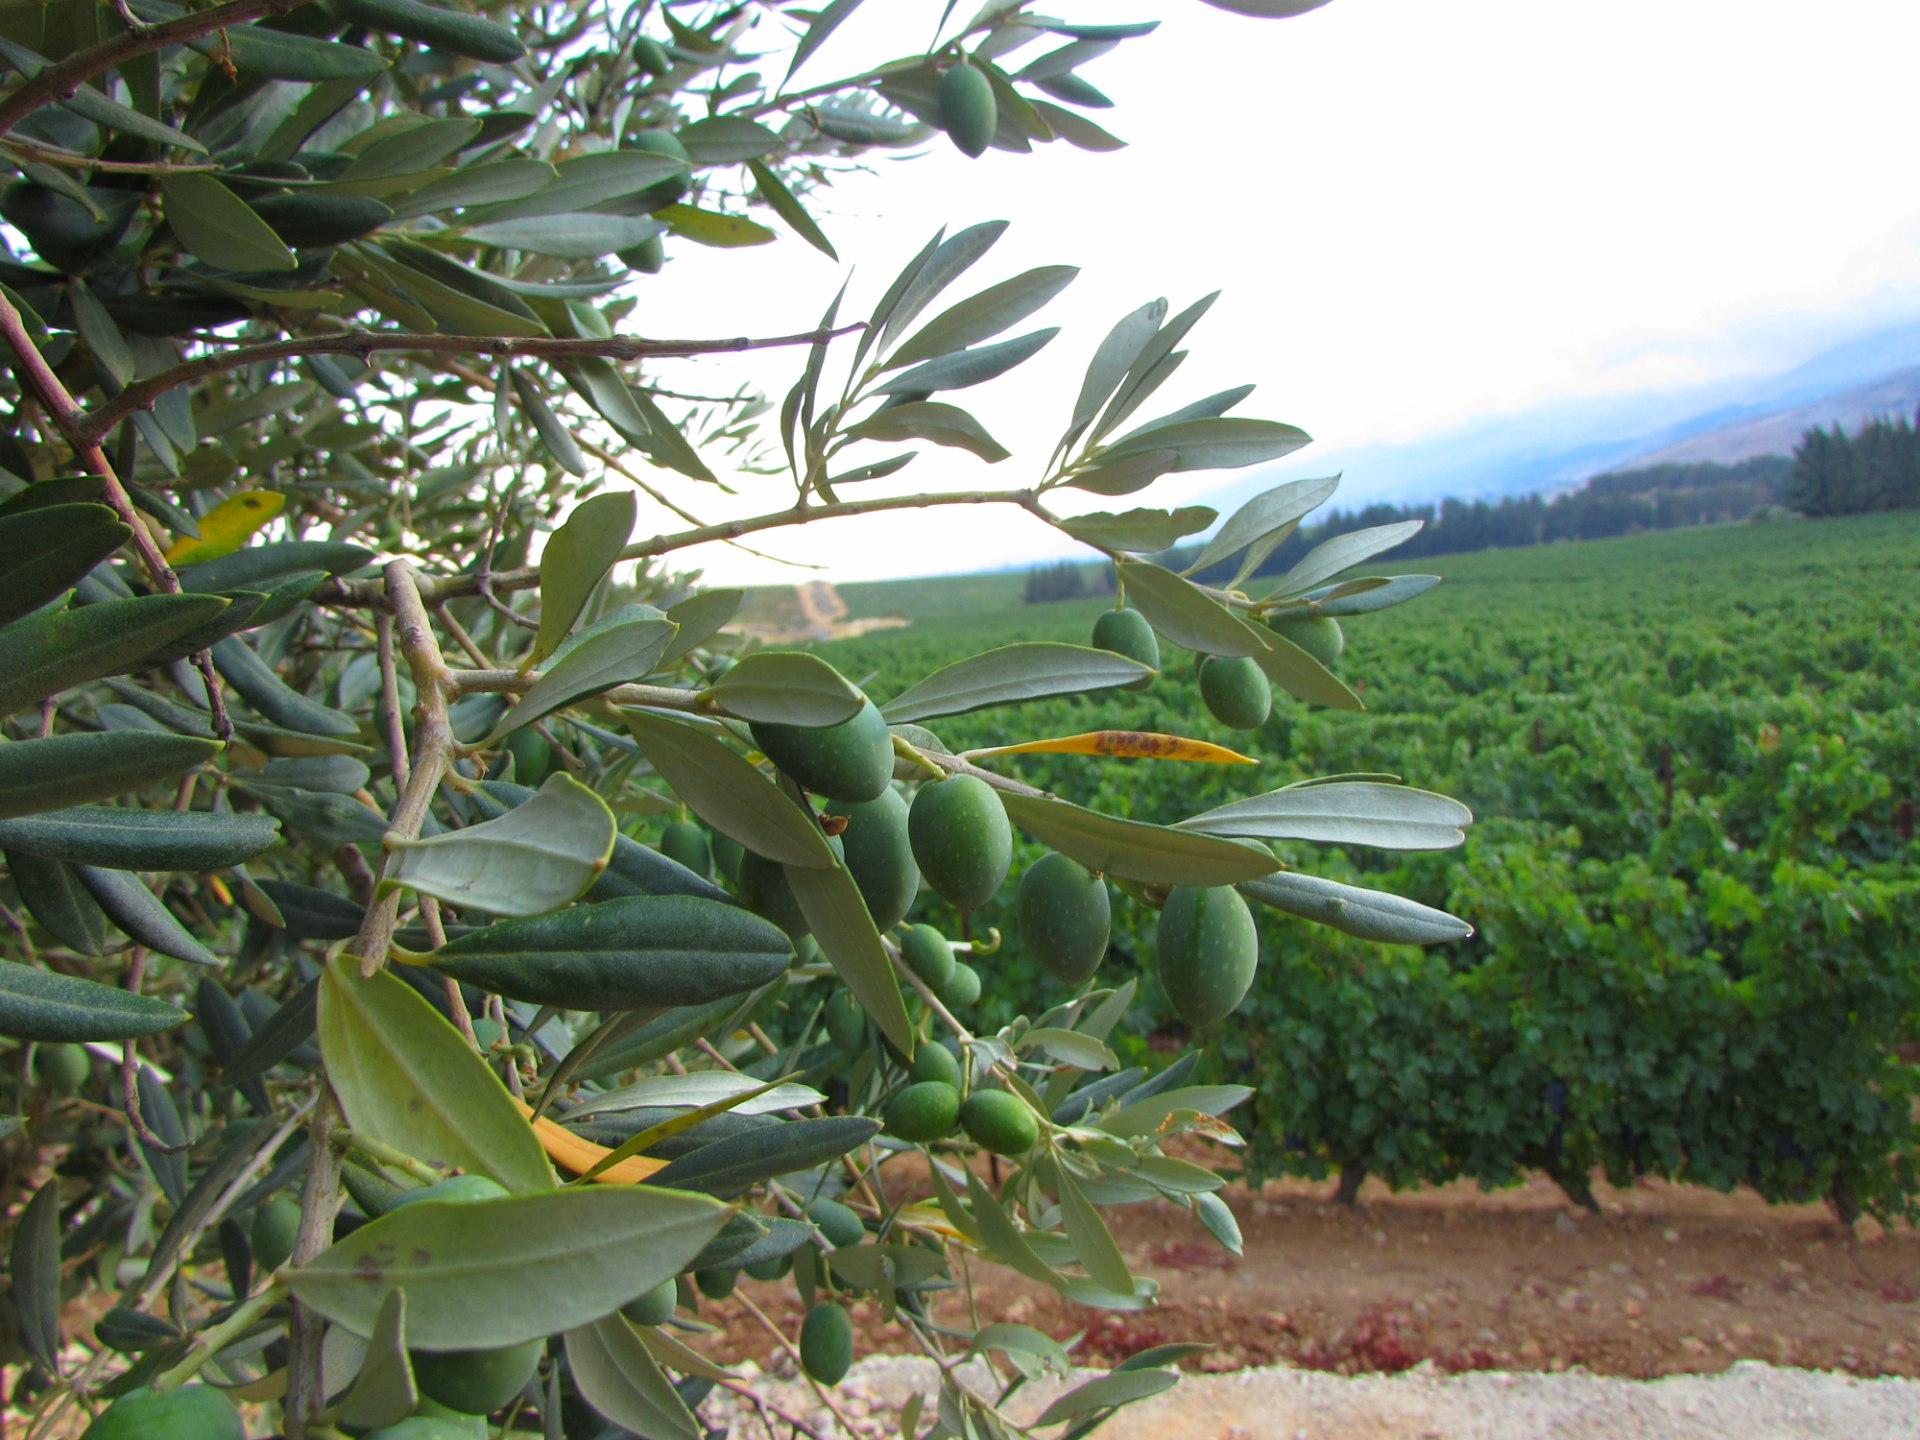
(1831, 473)
(1876, 469)
(1064, 580)
(1658, 497)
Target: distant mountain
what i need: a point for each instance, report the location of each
(1555, 447)
(1779, 433)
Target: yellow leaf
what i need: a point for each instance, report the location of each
(577, 1155)
(709, 227)
(225, 528)
(1128, 744)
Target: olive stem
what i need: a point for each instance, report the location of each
(445, 587)
(785, 1344)
(211, 1342)
(349, 1139)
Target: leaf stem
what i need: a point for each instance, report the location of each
(215, 1340)
(350, 1139)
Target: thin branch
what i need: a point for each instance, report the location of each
(433, 749)
(58, 82)
(130, 1073)
(262, 1157)
(433, 742)
(780, 1339)
(390, 703)
(70, 420)
(38, 154)
(513, 682)
(368, 592)
(319, 1204)
(142, 394)
(658, 496)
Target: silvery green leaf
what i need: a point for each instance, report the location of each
(1369, 914)
(1387, 817)
(535, 858)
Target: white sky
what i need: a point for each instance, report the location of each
(1422, 212)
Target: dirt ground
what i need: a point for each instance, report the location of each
(1667, 1280)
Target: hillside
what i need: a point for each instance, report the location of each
(1779, 432)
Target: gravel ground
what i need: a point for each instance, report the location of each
(1751, 1401)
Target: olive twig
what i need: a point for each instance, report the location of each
(393, 1159)
(212, 1341)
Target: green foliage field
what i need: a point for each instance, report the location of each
(1704, 977)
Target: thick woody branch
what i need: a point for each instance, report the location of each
(142, 394)
(58, 82)
(433, 752)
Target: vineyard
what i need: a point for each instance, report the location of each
(1692, 757)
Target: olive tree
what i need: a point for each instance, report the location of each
(374, 1075)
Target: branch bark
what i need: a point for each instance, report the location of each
(38, 378)
(141, 394)
(369, 592)
(57, 82)
(433, 752)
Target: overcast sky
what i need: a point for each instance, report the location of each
(1422, 212)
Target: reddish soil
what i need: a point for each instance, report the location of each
(1667, 1279)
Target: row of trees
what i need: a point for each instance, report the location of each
(1830, 473)
(1877, 468)
(1659, 497)
(362, 1081)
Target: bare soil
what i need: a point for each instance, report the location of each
(1666, 1280)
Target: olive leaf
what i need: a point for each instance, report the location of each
(535, 858)
(576, 560)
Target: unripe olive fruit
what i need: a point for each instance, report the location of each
(1319, 635)
(962, 992)
(670, 190)
(770, 1269)
(969, 112)
(532, 756)
(276, 1225)
(649, 257)
(473, 1382)
(846, 1023)
(839, 1223)
(476, 1382)
(1235, 691)
(764, 889)
(934, 1061)
(64, 1068)
(650, 56)
(929, 955)
(437, 1423)
(826, 1343)
(961, 838)
(879, 855)
(655, 1307)
(1065, 915)
(849, 761)
(460, 1189)
(923, 1112)
(726, 856)
(1000, 1121)
(192, 1412)
(685, 842)
(1207, 951)
(716, 1284)
(1126, 632)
